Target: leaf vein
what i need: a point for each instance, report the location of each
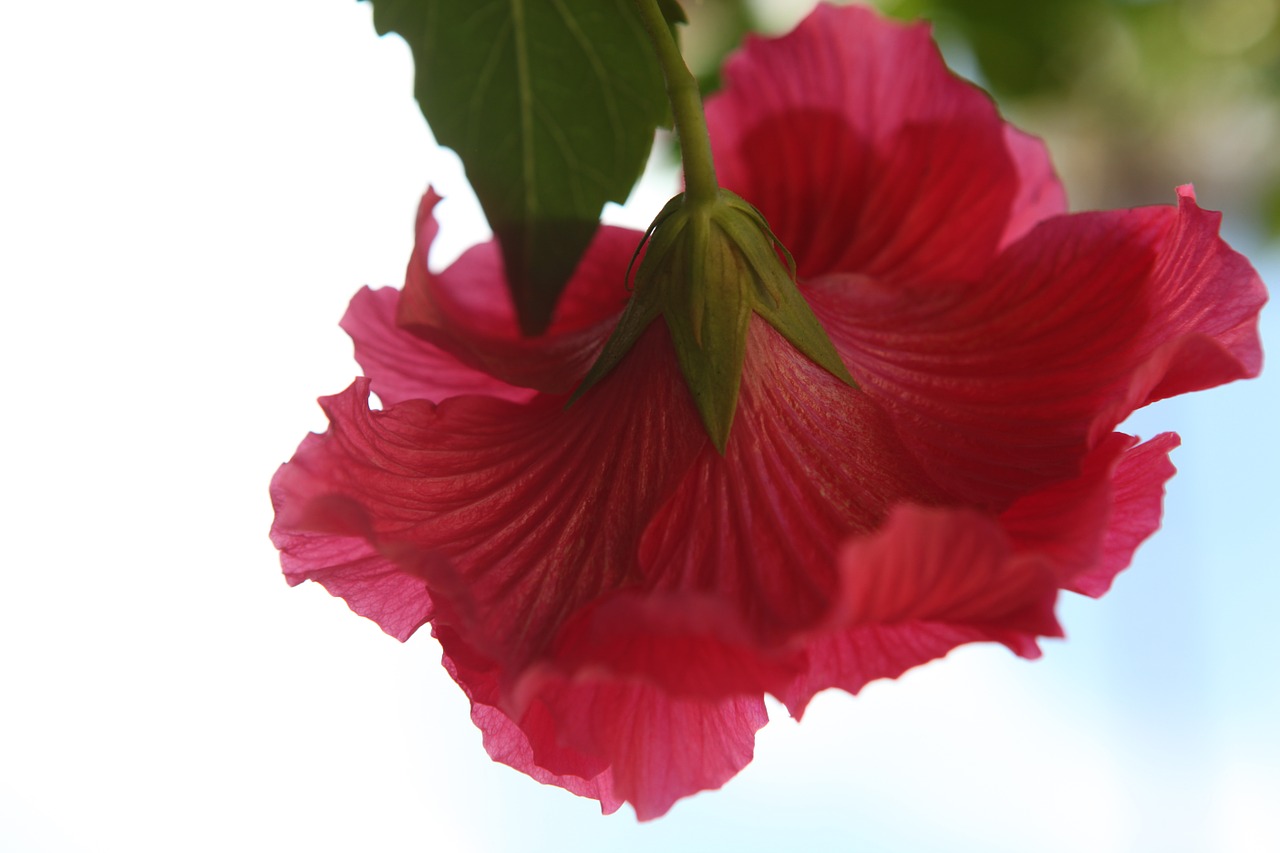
(609, 96)
(530, 201)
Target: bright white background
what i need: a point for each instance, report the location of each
(189, 194)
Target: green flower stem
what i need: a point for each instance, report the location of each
(686, 108)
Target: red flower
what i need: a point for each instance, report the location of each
(613, 594)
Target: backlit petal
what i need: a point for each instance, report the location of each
(508, 743)
(930, 579)
(1004, 388)
(613, 738)
(810, 461)
(613, 593)
(404, 366)
(660, 748)
(326, 539)
(934, 579)
(1137, 494)
(1040, 193)
(466, 309)
(530, 509)
(866, 154)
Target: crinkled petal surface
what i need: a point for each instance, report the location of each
(933, 578)
(628, 737)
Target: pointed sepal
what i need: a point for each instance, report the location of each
(707, 267)
(777, 298)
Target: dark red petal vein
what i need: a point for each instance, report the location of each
(1002, 389)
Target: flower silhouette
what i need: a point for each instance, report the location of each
(614, 593)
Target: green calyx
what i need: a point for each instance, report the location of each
(709, 266)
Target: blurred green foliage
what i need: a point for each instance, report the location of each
(1133, 96)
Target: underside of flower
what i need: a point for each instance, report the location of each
(708, 267)
(613, 595)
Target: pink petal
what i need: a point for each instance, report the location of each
(851, 659)
(1203, 331)
(1137, 494)
(1040, 193)
(350, 569)
(690, 644)
(1066, 523)
(466, 309)
(508, 744)
(930, 579)
(326, 540)
(934, 579)
(659, 748)
(956, 566)
(1089, 527)
(404, 366)
(1002, 389)
(517, 515)
(614, 739)
(867, 155)
(809, 462)
(515, 518)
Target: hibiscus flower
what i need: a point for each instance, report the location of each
(613, 591)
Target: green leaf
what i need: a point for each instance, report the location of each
(552, 106)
